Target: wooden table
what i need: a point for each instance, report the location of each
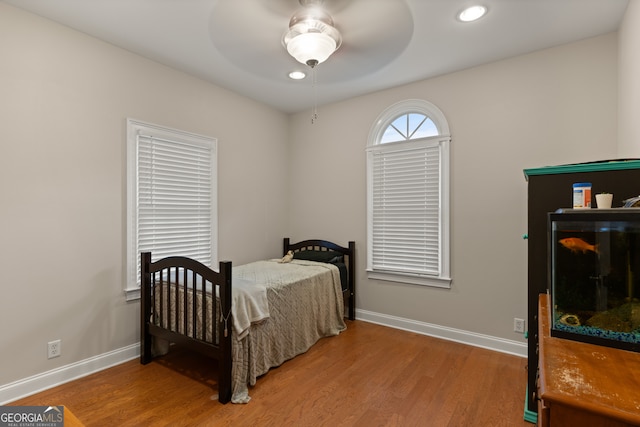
(70, 420)
(584, 384)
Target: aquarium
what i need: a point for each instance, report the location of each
(595, 276)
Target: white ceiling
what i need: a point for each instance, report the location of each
(236, 44)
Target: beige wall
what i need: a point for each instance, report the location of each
(629, 103)
(550, 107)
(64, 100)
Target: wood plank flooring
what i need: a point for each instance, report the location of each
(369, 375)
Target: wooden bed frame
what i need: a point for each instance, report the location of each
(198, 274)
(349, 294)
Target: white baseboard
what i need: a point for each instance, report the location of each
(34, 384)
(458, 335)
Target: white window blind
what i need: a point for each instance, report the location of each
(172, 203)
(406, 208)
(174, 198)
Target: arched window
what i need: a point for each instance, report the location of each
(408, 195)
(410, 126)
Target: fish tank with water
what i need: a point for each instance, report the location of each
(595, 276)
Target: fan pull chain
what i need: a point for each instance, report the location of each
(314, 81)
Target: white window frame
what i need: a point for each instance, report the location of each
(441, 279)
(135, 131)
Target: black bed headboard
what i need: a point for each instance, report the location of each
(325, 245)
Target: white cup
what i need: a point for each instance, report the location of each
(603, 201)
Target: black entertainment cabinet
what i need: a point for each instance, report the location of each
(550, 188)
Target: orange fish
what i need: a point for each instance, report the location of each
(575, 244)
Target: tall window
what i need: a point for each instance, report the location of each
(171, 200)
(408, 195)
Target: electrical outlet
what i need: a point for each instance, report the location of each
(518, 325)
(54, 349)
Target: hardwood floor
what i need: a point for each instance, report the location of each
(369, 375)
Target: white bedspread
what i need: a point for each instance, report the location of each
(305, 304)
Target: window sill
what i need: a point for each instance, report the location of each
(132, 294)
(411, 279)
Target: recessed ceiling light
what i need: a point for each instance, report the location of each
(297, 75)
(472, 13)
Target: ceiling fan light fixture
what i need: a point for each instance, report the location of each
(310, 48)
(311, 38)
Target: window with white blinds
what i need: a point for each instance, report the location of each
(406, 209)
(407, 196)
(172, 203)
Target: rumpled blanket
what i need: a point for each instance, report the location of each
(249, 305)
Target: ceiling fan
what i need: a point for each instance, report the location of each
(367, 35)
